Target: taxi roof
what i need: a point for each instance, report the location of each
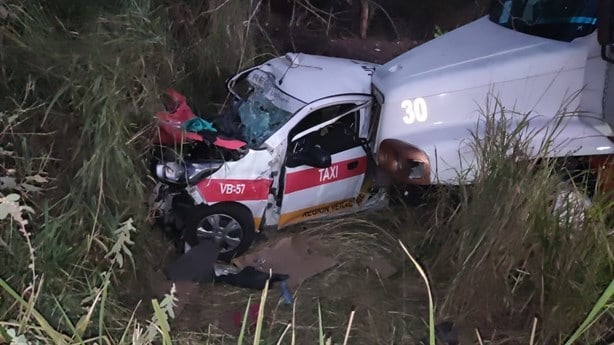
(311, 77)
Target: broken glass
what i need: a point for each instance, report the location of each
(266, 109)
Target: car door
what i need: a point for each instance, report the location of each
(311, 191)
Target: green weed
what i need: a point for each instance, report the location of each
(79, 86)
(510, 248)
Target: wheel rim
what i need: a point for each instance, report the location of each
(571, 206)
(222, 229)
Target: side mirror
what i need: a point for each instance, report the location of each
(314, 156)
(605, 29)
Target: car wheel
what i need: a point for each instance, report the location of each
(231, 226)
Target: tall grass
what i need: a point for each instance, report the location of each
(79, 87)
(509, 253)
(96, 97)
(30, 325)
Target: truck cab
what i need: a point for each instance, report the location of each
(325, 136)
(541, 58)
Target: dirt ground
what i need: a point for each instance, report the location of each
(388, 310)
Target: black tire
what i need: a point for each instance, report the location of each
(199, 227)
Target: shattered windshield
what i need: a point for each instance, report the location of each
(265, 108)
(562, 20)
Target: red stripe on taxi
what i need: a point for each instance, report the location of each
(314, 177)
(216, 190)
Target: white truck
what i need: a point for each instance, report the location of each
(321, 131)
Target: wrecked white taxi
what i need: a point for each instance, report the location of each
(312, 136)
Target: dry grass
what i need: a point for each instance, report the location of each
(79, 87)
(507, 252)
(86, 83)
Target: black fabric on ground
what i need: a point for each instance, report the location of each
(251, 278)
(196, 265)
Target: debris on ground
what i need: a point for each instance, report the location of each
(196, 265)
(285, 264)
(199, 265)
(294, 256)
(251, 278)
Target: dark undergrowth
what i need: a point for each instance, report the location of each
(79, 84)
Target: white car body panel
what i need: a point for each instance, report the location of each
(281, 135)
(246, 181)
(328, 190)
(434, 98)
(314, 77)
(296, 201)
(455, 74)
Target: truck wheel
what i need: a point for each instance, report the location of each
(571, 205)
(230, 225)
(575, 194)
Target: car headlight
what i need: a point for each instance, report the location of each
(184, 172)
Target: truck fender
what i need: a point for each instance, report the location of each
(447, 155)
